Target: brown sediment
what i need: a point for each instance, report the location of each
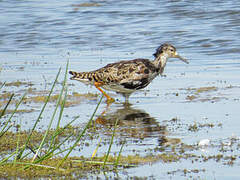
(87, 4)
(191, 97)
(205, 89)
(9, 111)
(40, 97)
(10, 139)
(76, 166)
(201, 94)
(201, 89)
(18, 83)
(71, 100)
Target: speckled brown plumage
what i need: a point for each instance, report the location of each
(125, 77)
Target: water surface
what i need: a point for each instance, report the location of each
(38, 37)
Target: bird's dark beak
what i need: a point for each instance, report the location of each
(181, 58)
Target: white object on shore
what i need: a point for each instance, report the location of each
(204, 142)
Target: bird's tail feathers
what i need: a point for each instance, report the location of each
(76, 75)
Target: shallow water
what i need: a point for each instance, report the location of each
(38, 37)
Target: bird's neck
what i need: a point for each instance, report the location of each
(160, 62)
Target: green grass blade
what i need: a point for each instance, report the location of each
(80, 136)
(9, 119)
(50, 152)
(47, 131)
(62, 105)
(110, 145)
(6, 130)
(57, 132)
(60, 131)
(3, 84)
(5, 159)
(50, 123)
(65, 96)
(18, 140)
(40, 115)
(5, 108)
(119, 155)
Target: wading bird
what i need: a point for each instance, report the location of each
(125, 77)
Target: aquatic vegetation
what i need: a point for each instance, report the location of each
(76, 7)
(39, 97)
(75, 166)
(8, 140)
(71, 100)
(48, 153)
(87, 4)
(191, 97)
(18, 83)
(207, 93)
(5, 95)
(32, 153)
(198, 126)
(204, 89)
(9, 111)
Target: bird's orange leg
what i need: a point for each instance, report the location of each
(98, 85)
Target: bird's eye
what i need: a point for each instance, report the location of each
(171, 50)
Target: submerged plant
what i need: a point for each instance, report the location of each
(34, 150)
(20, 153)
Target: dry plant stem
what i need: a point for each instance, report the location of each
(95, 151)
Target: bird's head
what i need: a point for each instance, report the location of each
(169, 51)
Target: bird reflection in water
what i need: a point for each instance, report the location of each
(133, 123)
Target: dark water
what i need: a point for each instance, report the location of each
(37, 37)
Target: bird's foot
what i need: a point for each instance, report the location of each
(110, 100)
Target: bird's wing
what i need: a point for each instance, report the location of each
(134, 74)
